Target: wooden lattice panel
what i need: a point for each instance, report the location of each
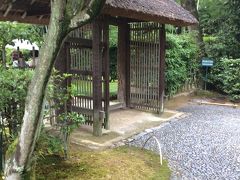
(83, 70)
(80, 66)
(145, 66)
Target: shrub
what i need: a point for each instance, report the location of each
(14, 84)
(225, 76)
(113, 63)
(13, 91)
(181, 62)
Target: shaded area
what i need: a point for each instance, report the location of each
(121, 163)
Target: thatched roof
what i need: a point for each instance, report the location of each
(163, 11)
(26, 11)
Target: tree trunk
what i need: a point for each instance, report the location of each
(61, 23)
(191, 6)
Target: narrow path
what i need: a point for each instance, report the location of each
(203, 145)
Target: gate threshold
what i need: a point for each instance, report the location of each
(124, 123)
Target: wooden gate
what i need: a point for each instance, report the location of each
(85, 68)
(146, 67)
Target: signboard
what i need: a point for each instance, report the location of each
(207, 62)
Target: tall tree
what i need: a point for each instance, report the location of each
(191, 6)
(66, 15)
(229, 32)
(220, 23)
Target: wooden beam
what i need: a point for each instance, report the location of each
(121, 63)
(40, 17)
(29, 20)
(38, 12)
(162, 34)
(24, 15)
(106, 70)
(123, 59)
(128, 66)
(86, 43)
(8, 10)
(97, 80)
(118, 20)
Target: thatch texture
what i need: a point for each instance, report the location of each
(163, 11)
(26, 11)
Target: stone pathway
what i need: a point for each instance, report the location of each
(202, 145)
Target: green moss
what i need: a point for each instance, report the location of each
(121, 163)
(12, 148)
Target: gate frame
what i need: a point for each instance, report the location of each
(101, 36)
(124, 64)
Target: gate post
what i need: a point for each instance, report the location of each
(106, 71)
(123, 63)
(97, 79)
(162, 34)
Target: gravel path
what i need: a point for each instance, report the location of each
(202, 145)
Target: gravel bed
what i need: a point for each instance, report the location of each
(202, 145)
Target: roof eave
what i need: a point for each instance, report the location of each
(120, 12)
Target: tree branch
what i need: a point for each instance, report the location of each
(85, 15)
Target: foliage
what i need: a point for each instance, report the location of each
(225, 76)
(113, 63)
(70, 122)
(215, 48)
(113, 37)
(62, 21)
(14, 84)
(48, 144)
(58, 97)
(13, 91)
(220, 19)
(211, 13)
(113, 40)
(12, 30)
(181, 62)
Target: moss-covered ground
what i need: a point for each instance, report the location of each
(116, 164)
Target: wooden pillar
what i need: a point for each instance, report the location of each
(97, 80)
(61, 65)
(106, 70)
(162, 35)
(128, 66)
(123, 63)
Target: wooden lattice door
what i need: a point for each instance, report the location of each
(83, 67)
(146, 67)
